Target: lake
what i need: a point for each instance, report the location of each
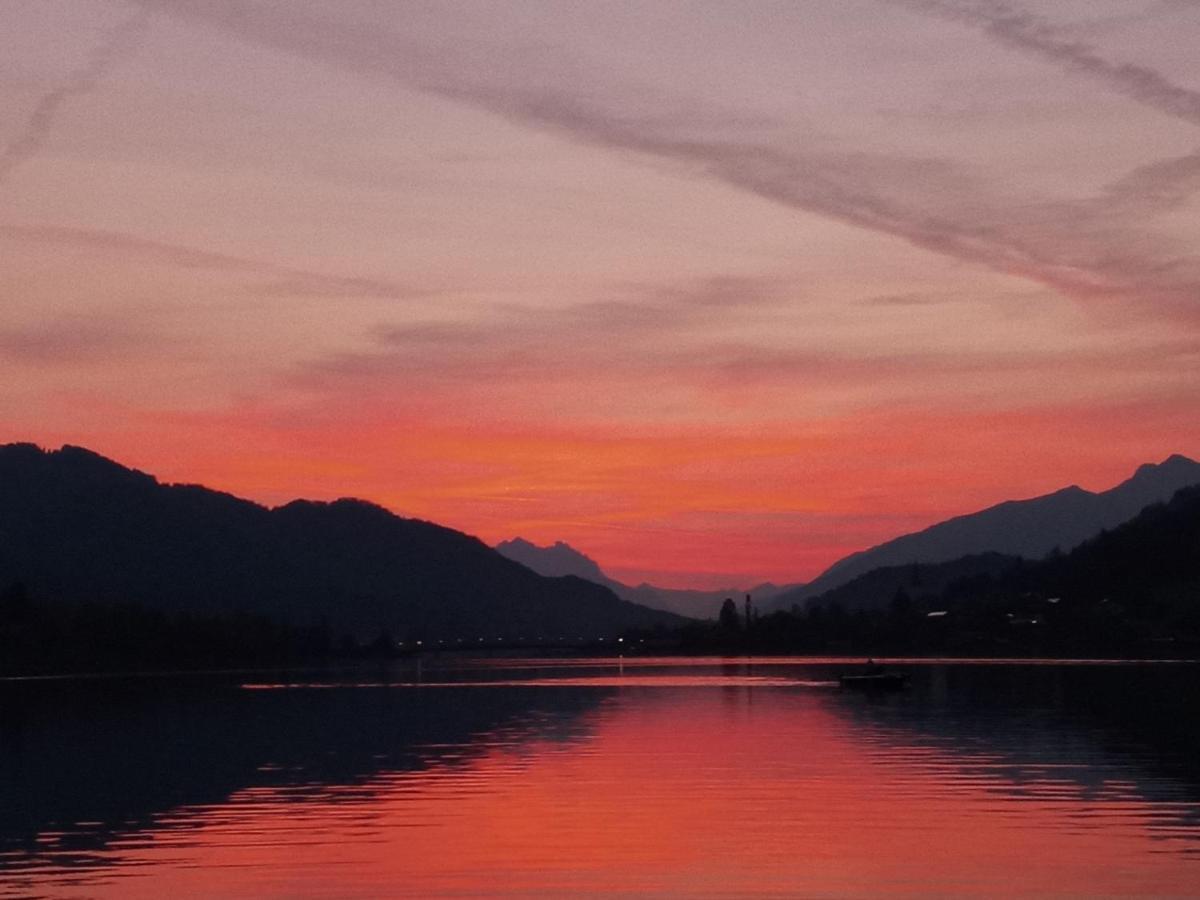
(461, 777)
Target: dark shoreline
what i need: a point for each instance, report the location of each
(358, 667)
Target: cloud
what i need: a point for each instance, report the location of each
(621, 336)
(1044, 243)
(908, 299)
(280, 281)
(1164, 184)
(671, 342)
(1033, 35)
(73, 339)
(720, 292)
(118, 44)
(310, 284)
(929, 203)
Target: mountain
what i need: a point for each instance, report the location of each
(1027, 528)
(1150, 564)
(77, 527)
(1138, 583)
(562, 559)
(1132, 591)
(555, 561)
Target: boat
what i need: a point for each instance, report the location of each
(875, 681)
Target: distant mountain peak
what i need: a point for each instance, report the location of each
(560, 558)
(522, 542)
(517, 542)
(1174, 463)
(558, 547)
(554, 560)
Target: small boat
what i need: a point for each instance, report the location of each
(875, 681)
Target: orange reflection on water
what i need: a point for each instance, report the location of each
(736, 790)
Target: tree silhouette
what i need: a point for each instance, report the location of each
(728, 618)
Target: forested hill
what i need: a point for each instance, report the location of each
(76, 527)
(1131, 591)
(1029, 528)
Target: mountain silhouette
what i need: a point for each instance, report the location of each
(555, 561)
(1027, 528)
(562, 559)
(77, 527)
(1128, 592)
(1143, 572)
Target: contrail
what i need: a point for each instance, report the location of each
(1157, 186)
(851, 187)
(1030, 34)
(121, 41)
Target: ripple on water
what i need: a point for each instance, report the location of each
(672, 778)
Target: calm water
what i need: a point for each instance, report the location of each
(590, 777)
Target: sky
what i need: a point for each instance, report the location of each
(714, 292)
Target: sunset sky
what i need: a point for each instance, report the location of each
(715, 292)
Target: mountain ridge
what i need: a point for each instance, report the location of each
(561, 558)
(76, 526)
(1029, 528)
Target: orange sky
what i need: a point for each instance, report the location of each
(712, 293)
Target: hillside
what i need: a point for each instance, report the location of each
(76, 527)
(923, 584)
(1027, 528)
(1137, 585)
(1149, 565)
(1132, 592)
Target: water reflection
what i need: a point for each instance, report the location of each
(83, 762)
(654, 778)
(1101, 733)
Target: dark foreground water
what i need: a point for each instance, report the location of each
(597, 778)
